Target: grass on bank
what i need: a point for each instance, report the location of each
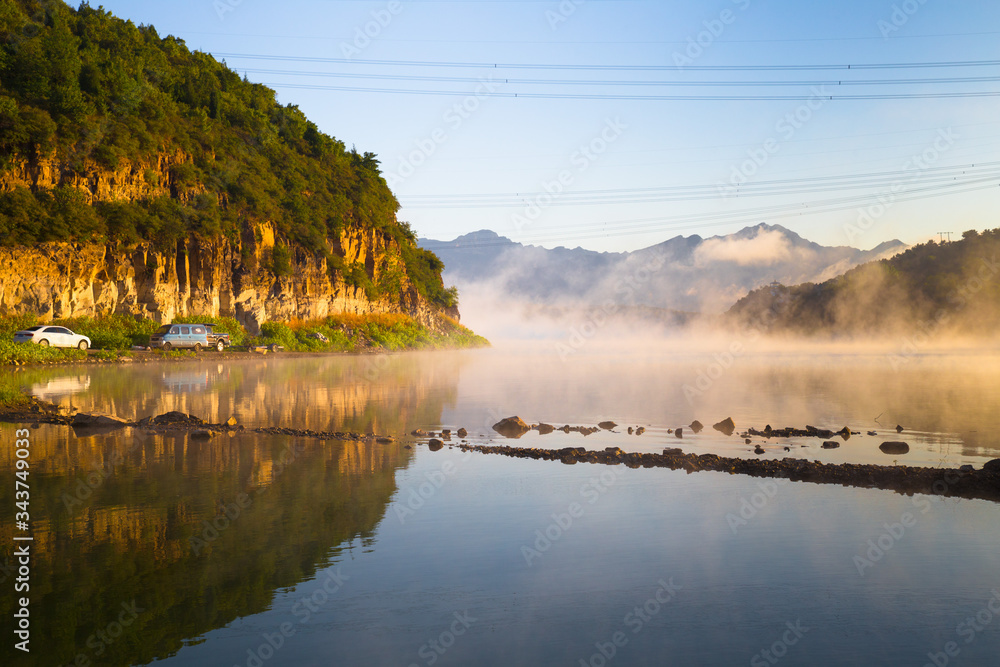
(114, 335)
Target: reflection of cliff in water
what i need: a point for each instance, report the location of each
(130, 537)
(384, 394)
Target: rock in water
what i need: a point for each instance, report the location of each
(202, 433)
(231, 421)
(98, 420)
(545, 429)
(418, 433)
(894, 447)
(899, 429)
(462, 432)
(726, 426)
(608, 425)
(696, 426)
(640, 430)
(830, 444)
(679, 433)
(434, 444)
(992, 466)
(511, 427)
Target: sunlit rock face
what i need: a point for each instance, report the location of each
(215, 277)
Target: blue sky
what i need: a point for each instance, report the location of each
(593, 171)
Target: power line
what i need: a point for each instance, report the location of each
(629, 68)
(680, 223)
(700, 192)
(661, 98)
(586, 82)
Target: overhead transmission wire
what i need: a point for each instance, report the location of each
(929, 175)
(624, 68)
(698, 221)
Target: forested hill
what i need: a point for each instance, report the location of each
(932, 288)
(86, 96)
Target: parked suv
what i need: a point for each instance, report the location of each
(216, 339)
(169, 336)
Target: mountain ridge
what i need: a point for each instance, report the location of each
(690, 273)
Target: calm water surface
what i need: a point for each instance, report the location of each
(266, 550)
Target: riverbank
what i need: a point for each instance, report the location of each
(124, 339)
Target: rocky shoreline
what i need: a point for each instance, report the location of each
(964, 482)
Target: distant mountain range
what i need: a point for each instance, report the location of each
(691, 273)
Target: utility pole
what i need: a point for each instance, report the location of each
(943, 234)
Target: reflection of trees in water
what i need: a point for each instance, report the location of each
(130, 537)
(382, 394)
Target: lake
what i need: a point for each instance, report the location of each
(256, 550)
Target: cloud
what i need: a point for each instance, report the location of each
(767, 247)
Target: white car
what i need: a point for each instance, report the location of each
(46, 335)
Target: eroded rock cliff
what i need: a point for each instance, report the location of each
(206, 277)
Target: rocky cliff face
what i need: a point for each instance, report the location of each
(215, 276)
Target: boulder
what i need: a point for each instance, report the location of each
(893, 447)
(511, 427)
(545, 429)
(672, 451)
(640, 430)
(830, 444)
(726, 426)
(461, 433)
(992, 466)
(202, 433)
(384, 440)
(696, 426)
(899, 429)
(175, 417)
(98, 420)
(434, 444)
(231, 421)
(607, 425)
(679, 433)
(418, 433)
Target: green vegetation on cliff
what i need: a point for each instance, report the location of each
(934, 288)
(88, 90)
